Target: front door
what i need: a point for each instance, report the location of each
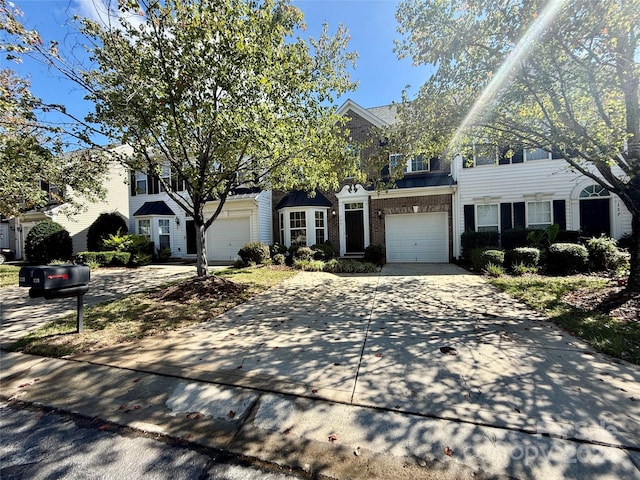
(191, 237)
(595, 217)
(354, 229)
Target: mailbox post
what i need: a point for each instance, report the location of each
(58, 281)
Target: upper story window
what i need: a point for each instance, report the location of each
(531, 154)
(411, 164)
(485, 154)
(165, 175)
(539, 214)
(141, 183)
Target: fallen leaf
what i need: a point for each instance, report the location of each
(103, 427)
(315, 390)
(448, 451)
(123, 406)
(356, 452)
(333, 438)
(378, 355)
(196, 416)
(336, 364)
(24, 385)
(239, 367)
(287, 431)
(518, 410)
(137, 380)
(137, 407)
(231, 414)
(37, 380)
(448, 350)
(188, 437)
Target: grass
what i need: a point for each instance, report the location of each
(618, 338)
(9, 275)
(141, 315)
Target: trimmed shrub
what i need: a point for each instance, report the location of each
(374, 254)
(603, 253)
(140, 259)
(254, 252)
(309, 265)
(119, 259)
(278, 259)
(323, 251)
(303, 253)
(480, 258)
(164, 254)
(526, 256)
(520, 269)
(349, 266)
(494, 270)
(567, 258)
(277, 248)
(477, 240)
(116, 242)
(106, 224)
(48, 241)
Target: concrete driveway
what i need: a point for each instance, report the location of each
(430, 340)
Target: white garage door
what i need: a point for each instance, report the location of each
(225, 237)
(420, 237)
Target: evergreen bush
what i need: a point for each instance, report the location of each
(603, 253)
(254, 252)
(567, 258)
(106, 224)
(374, 254)
(48, 241)
(526, 256)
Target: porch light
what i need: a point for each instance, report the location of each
(333, 212)
(379, 212)
(177, 221)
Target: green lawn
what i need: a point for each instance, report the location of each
(145, 314)
(618, 338)
(9, 275)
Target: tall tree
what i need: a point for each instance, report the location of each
(561, 74)
(223, 93)
(31, 151)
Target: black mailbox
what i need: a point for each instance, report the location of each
(57, 281)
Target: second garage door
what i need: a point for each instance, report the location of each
(225, 237)
(419, 237)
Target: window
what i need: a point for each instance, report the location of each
(354, 206)
(141, 183)
(413, 164)
(396, 160)
(594, 191)
(485, 154)
(539, 214)
(164, 234)
(298, 227)
(165, 174)
(283, 241)
(531, 154)
(487, 218)
(320, 223)
(144, 228)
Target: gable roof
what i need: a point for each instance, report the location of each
(363, 112)
(302, 199)
(386, 113)
(153, 208)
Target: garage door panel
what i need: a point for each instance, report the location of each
(417, 237)
(227, 236)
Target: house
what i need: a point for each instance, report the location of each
(77, 224)
(245, 217)
(413, 220)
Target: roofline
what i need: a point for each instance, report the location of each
(363, 112)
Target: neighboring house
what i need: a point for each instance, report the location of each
(116, 200)
(245, 217)
(532, 189)
(413, 220)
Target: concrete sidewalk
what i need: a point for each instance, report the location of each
(354, 377)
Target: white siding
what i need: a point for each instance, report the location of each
(265, 215)
(535, 180)
(116, 200)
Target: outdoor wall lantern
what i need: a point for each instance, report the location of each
(415, 208)
(177, 221)
(333, 212)
(379, 212)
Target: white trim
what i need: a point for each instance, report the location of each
(415, 191)
(357, 109)
(358, 194)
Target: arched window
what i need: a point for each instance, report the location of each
(594, 191)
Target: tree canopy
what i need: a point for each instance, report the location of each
(223, 93)
(31, 150)
(561, 75)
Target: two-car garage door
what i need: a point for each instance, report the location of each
(225, 237)
(419, 237)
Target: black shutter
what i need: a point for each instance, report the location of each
(560, 214)
(434, 164)
(519, 220)
(152, 185)
(469, 218)
(505, 217)
(133, 183)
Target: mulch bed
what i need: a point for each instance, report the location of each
(610, 300)
(197, 289)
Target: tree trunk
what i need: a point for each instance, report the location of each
(633, 284)
(201, 249)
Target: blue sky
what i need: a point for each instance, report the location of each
(371, 24)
